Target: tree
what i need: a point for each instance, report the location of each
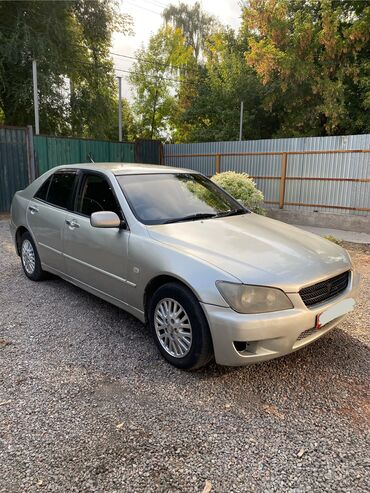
(70, 41)
(131, 131)
(190, 81)
(155, 78)
(223, 82)
(194, 23)
(314, 58)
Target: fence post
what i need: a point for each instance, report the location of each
(161, 154)
(218, 163)
(284, 162)
(32, 171)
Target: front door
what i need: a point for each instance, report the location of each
(96, 257)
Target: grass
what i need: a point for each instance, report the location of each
(333, 239)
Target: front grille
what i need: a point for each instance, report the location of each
(325, 290)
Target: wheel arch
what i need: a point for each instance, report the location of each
(18, 235)
(159, 281)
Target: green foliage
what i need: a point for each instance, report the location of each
(212, 111)
(242, 188)
(314, 59)
(300, 67)
(155, 78)
(194, 23)
(70, 41)
(333, 239)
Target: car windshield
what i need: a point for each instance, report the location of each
(174, 197)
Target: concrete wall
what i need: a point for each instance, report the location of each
(346, 222)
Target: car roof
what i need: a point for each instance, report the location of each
(128, 168)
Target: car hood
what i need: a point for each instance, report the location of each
(257, 249)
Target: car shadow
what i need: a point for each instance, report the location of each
(337, 349)
(329, 375)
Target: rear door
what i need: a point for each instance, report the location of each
(46, 214)
(96, 257)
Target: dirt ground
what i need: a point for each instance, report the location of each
(88, 405)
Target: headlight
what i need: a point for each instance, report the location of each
(253, 299)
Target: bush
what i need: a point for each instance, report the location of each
(242, 188)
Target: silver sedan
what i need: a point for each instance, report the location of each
(211, 279)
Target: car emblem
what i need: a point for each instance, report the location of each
(329, 286)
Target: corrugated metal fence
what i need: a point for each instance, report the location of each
(15, 150)
(52, 151)
(23, 156)
(148, 151)
(328, 174)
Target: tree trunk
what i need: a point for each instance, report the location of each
(154, 112)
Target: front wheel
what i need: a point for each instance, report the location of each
(179, 327)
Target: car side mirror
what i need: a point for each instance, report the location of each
(105, 219)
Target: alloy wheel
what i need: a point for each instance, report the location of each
(28, 257)
(173, 327)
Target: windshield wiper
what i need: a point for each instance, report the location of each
(232, 212)
(191, 217)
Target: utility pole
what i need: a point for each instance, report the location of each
(71, 102)
(35, 97)
(119, 109)
(241, 120)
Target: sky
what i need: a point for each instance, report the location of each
(146, 15)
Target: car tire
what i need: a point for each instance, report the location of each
(179, 327)
(30, 259)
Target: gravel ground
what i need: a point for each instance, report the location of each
(88, 405)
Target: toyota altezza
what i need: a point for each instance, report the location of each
(211, 278)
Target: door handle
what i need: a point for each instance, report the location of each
(33, 209)
(72, 223)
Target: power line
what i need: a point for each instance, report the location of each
(124, 56)
(188, 82)
(162, 78)
(156, 3)
(93, 63)
(144, 8)
(163, 65)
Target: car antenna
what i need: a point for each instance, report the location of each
(89, 156)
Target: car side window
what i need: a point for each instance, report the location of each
(61, 189)
(96, 195)
(43, 190)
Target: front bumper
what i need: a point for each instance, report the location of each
(265, 336)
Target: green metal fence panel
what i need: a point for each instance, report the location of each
(16, 154)
(148, 151)
(53, 151)
(96, 150)
(13, 164)
(122, 153)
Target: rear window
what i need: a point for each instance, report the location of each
(57, 190)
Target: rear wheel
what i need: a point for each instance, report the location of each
(30, 258)
(179, 327)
